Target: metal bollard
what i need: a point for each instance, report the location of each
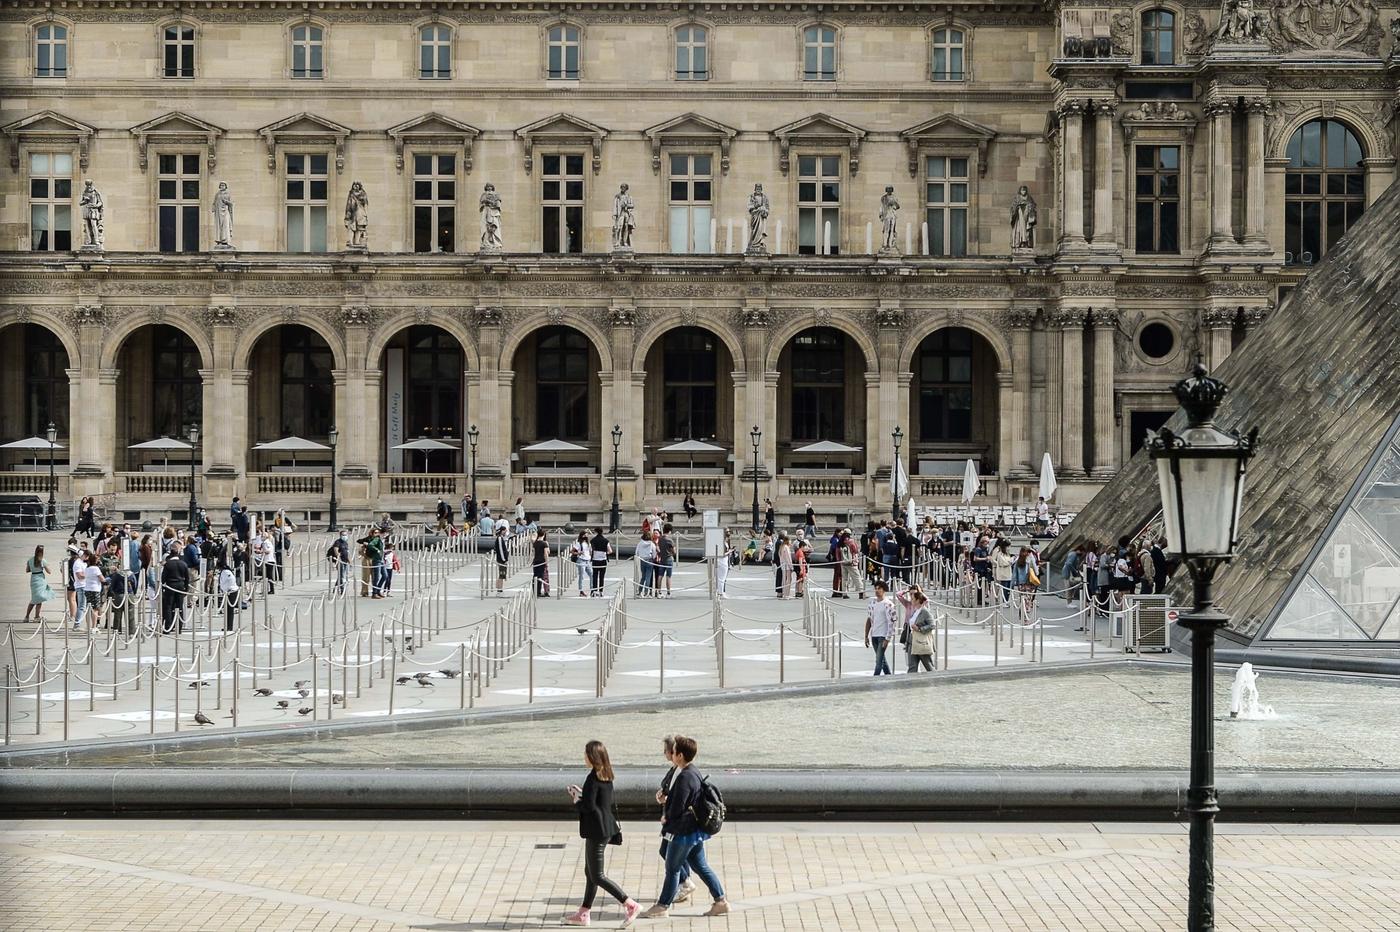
(782, 654)
(661, 670)
(234, 700)
(153, 697)
(531, 689)
(65, 692)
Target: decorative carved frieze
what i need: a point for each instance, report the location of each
(87, 315)
(1326, 26)
(1256, 315)
(1103, 318)
(488, 315)
(357, 315)
(1067, 318)
(889, 318)
(1218, 318)
(1102, 289)
(1247, 289)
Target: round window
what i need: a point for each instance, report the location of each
(1156, 341)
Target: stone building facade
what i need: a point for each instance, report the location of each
(1186, 166)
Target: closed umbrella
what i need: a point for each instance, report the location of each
(553, 446)
(291, 445)
(164, 445)
(1048, 485)
(692, 447)
(427, 445)
(970, 482)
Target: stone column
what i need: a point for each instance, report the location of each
(623, 405)
(1105, 324)
(1072, 128)
(1221, 192)
(491, 412)
(1218, 323)
(886, 408)
(1070, 322)
(1018, 459)
(1105, 235)
(1255, 211)
(1006, 404)
(239, 435)
(760, 392)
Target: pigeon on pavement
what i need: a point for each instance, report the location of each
(262, 691)
(451, 674)
(304, 710)
(303, 693)
(201, 719)
(301, 684)
(196, 685)
(283, 704)
(403, 680)
(337, 698)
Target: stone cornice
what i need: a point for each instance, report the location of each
(462, 10)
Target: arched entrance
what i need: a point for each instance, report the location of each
(424, 397)
(689, 392)
(953, 403)
(556, 396)
(160, 393)
(821, 396)
(34, 392)
(290, 394)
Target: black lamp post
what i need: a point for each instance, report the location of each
(473, 435)
(194, 445)
(898, 437)
(334, 437)
(755, 435)
(615, 521)
(1201, 474)
(51, 435)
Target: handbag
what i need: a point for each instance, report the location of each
(1031, 578)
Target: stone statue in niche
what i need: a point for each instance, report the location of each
(758, 221)
(490, 207)
(889, 222)
(222, 209)
(93, 210)
(624, 219)
(1023, 219)
(356, 217)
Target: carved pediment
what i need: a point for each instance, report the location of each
(1308, 27)
(50, 127)
(819, 129)
(305, 129)
(562, 129)
(434, 129)
(176, 127)
(950, 130)
(690, 129)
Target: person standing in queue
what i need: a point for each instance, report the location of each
(502, 557)
(602, 549)
(598, 827)
(880, 626)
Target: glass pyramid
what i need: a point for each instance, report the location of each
(1350, 589)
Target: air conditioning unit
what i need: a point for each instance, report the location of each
(1155, 616)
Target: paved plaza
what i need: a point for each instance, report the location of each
(379, 876)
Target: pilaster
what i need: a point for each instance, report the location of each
(1220, 112)
(1104, 321)
(1070, 323)
(1218, 322)
(1105, 233)
(1071, 113)
(1255, 209)
(1019, 321)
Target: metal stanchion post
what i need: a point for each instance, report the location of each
(531, 689)
(233, 701)
(65, 691)
(7, 705)
(153, 696)
(782, 658)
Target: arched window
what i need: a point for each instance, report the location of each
(435, 52)
(692, 53)
(561, 384)
(1324, 189)
(51, 51)
(819, 53)
(308, 51)
(949, 54)
(177, 391)
(45, 381)
(819, 385)
(945, 385)
(689, 360)
(1158, 37)
(308, 383)
(563, 52)
(177, 51)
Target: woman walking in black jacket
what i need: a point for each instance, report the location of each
(598, 827)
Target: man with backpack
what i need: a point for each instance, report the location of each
(694, 813)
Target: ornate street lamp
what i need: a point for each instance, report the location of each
(755, 435)
(615, 521)
(49, 519)
(194, 445)
(897, 435)
(334, 437)
(1201, 474)
(473, 435)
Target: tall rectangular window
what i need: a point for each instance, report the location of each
(692, 203)
(51, 51)
(945, 205)
(178, 49)
(561, 193)
(1158, 191)
(177, 202)
(949, 47)
(435, 52)
(50, 201)
(819, 53)
(434, 203)
(692, 53)
(308, 52)
(563, 52)
(307, 180)
(691, 384)
(1158, 37)
(818, 204)
(819, 385)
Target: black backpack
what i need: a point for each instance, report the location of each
(709, 809)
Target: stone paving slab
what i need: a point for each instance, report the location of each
(133, 875)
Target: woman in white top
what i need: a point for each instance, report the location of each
(722, 566)
(783, 562)
(519, 510)
(578, 552)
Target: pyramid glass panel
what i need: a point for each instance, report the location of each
(1311, 616)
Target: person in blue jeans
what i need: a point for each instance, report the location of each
(685, 839)
(881, 625)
